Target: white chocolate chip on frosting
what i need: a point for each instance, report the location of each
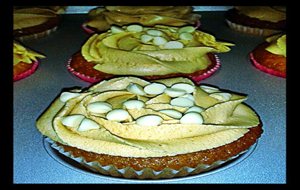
(196, 109)
(174, 92)
(134, 104)
(118, 115)
(182, 102)
(209, 89)
(88, 124)
(172, 113)
(65, 96)
(222, 96)
(136, 89)
(155, 88)
(192, 118)
(149, 120)
(72, 120)
(99, 107)
(187, 87)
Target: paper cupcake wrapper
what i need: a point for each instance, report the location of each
(27, 73)
(251, 30)
(91, 31)
(37, 35)
(196, 79)
(147, 173)
(266, 69)
(199, 78)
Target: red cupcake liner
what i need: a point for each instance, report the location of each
(208, 73)
(196, 79)
(28, 72)
(91, 31)
(80, 75)
(266, 69)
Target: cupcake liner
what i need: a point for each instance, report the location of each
(208, 73)
(266, 69)
(80, 75)
(37, 35)
(251, 30)
(196, 79)
(28, 72)
(147, 173)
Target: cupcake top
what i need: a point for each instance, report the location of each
(102, 18)
(131, 117)
(28, 17)
(145, 51)
(265, 13)
(25, 55)
(277, 44)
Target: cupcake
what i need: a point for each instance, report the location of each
(257, 20)
(148, 52)
(101, 19)
(25, 61)
(132, 128)
(34, 22)
(270, 56)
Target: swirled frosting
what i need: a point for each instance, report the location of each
(25, 55)
(131, 117)
(277, 44)
(28, 17)
(146, 51)
(266, 13)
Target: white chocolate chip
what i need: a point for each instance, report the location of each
(186, 36)
(173, 45)
(146, 38)
(134, 28)
(184, 86)
(88, 124)
(99, 107)
(117, 115)
(188, 29)
(196, 109)
(189, 96)
(149, 120)
(136, 89)
(182, 102)
(72, 120)
(116, 29)
(154, 32)
(65, 96)
(209, 89)
(222, 96)
(174, 92)
(172, 113)
(192, 118)
(155, 88)
(159, 41)
(134, 104)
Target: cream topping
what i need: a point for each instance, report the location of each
(144, 51)
(265, 13)
(25, 55)
(152, 130)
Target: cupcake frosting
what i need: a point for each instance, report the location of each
(266, 13)
(277, 44)
(28, 17)
(146, 51)
(131, 117)
(22, 54)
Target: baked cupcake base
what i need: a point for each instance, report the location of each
(89, 75)
(270, 65)
(25, 70)
(210, 159)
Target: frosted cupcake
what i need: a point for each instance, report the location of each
(148, 52)
(132, 128)
(257, 20)
(25, 61)
(270, 56)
